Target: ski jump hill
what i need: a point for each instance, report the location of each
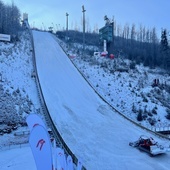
(92, 130)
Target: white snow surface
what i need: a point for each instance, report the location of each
(17, 159)
(92, 130)
(16, 68)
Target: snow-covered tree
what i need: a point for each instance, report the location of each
(164, 49)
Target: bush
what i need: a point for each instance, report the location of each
(150, 114)
(168, 116)
(139, 116)
(132, 65)
(154, 111)
(145, 99)
(133, 108)
(151, 121)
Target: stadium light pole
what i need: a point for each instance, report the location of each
(52, 25)
(42, 26)
(113, 30)
(33, 24)
(59, 27)
(67, 26)
(56, 27)
(83, 10)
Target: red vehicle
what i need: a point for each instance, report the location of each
(149, 145)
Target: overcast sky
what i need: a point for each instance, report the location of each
(149, 13)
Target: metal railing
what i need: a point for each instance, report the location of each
(14, 146)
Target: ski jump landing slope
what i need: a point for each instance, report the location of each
(92, 130)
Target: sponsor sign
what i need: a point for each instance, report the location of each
(69, 163)
(79, 164)
(41, 148)
(5, 37)
(33, 120)
(60, 157)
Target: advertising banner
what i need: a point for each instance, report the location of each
(33, 120)
(41, 148)
(60, 159)
(5, 37)
(69, 163)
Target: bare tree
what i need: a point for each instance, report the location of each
(133, 32)
(9, 19)
(143, 34)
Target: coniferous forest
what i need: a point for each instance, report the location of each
(139, 45)
(10, 18)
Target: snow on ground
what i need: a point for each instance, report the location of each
(127, 90)
(122, 90)
(18, 90)
(92, 130)
(18, 98)
(18, 158)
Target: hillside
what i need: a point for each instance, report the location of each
(92, 130)
(90, 127)
(128, 87)
(128, 90)
(18, 93)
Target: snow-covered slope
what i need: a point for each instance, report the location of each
(130, 91)
(18, 98)
(127, 86)
(17, 158)
(18, 91)
(92, 130)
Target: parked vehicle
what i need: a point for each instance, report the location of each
(150, 146)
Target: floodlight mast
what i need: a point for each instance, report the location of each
(83, 10)
(67, 21)
(67, 26)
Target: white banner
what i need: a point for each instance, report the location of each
(41, 148)
(79, 164)
(60, 159)
(33, 120)
(5, 37)
(69, 163)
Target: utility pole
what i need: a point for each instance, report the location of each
(83, 10)
(113, 27)
(67, 21)
(52, 27)
(43, 26)
(67, 26)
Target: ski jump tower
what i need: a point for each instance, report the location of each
(25, 23)
(106, 34)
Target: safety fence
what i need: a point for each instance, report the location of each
(13, 146)
(162, 129)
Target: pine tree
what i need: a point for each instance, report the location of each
(139, 116)
(164, 50)
(164, 41)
